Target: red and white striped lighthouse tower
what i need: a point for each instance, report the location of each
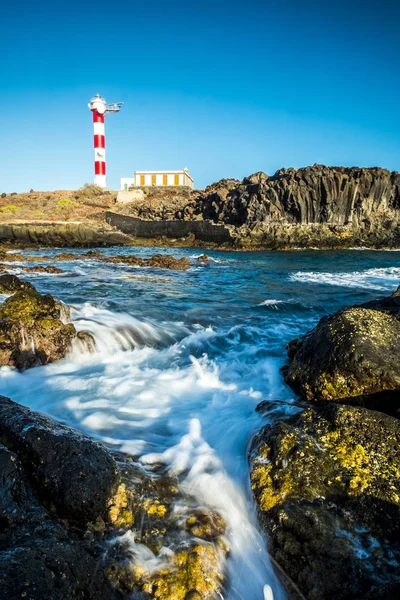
(99, 108)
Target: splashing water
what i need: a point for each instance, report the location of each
(181, 362)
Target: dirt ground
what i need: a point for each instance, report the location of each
(84, 205)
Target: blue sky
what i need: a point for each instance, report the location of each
(223, 88)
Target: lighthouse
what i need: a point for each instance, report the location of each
(100, 108)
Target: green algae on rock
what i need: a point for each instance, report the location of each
(351, 356)
(327, 485)
(32, 327)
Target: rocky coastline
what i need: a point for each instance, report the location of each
(77, 516)
(327, 480)
(312, 207)
(74, 514)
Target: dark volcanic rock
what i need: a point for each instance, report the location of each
(11, 284)
(32, 331)
(167, 518)
(162, 261)
(66, 521)
(69, 471)
(42, 463)
(314, 206)
(327, 484)
(351, 356)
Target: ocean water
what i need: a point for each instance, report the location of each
(184, 357)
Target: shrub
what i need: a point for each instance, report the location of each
(65, 204)
(89, 190)
(9, 209)
(3, 195)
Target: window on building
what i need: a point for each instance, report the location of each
(125, 186)
(153, 180)
(142, 180)
(165, 179)
(176, 180)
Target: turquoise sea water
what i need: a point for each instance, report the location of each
(184, 357)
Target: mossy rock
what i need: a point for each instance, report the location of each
(11, 283)
(32, 331)
(154, 515)
(192, 572)
(327, 485)
(351, 357)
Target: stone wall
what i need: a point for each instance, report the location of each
(202, 230)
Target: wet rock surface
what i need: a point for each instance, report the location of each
(351, 356)
(327, 484)
(78, 523)
(37, 269)
(10, 284)
(162, 261)
(71, 473)
(52, 479)
(32, 331)
(174, 549)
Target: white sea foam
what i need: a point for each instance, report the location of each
(271, 302)
(156, 402)
(382, 279)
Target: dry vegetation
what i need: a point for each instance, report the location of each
(86, 204)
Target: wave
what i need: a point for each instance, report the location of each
(382, 279)
(114, 332)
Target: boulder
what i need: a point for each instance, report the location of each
(351, 356)
(32, 331)
(52, 479)
(327, 485)
(11, 283)
(71, 473)
(80, 523)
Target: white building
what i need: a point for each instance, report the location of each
(159, 179)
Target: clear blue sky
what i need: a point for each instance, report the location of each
(225, 88)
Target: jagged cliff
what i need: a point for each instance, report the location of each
(325, 207)
(318, 194)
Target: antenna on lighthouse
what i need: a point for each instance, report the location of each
(100, 108)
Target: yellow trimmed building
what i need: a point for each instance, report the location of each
(159, 179)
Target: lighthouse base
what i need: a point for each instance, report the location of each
(100, 180)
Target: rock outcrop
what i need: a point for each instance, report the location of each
(314, 206)
(327, 483)
(318, 206)
(79, 523)
(52, 479)
(327, 480)
(351, 356)
(9, 284)
(33, 327)
(162, 261)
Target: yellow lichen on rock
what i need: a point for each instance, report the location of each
(196, 570)
(119, 513)
(154, 508)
